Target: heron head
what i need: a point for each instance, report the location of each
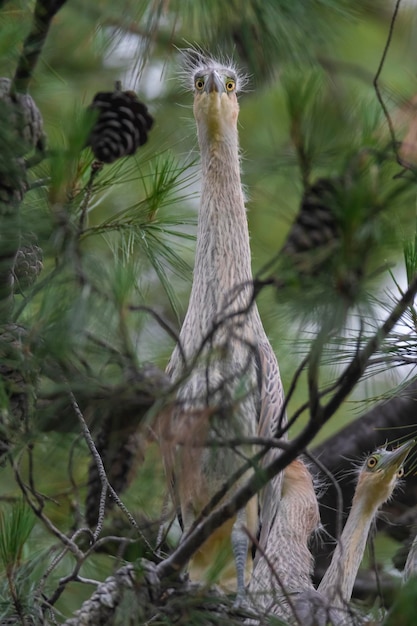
(215, 81)
(216, 107)
(380, 472)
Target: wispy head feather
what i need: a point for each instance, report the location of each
(196, 61)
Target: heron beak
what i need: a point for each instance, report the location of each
(396, 458)
(214, 83)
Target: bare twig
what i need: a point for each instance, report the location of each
(73, 483)
(298, 139)
(316, 352)
(376, 83)
(339, 495)
(288, 396)
(34, 42)
(163, 324)
(274, 574)
(55, 562)
(63, 582)
(359, 363)
(100, 465)
(74, 575)
(106, 486)
(39, 513)
(96, 168)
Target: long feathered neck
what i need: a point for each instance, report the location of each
(339, 579)
(297, 518)
(223, 258)
(284, 568)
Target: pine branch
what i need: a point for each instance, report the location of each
(395, 144)
(101, 607)
(105, 485)
(44, 12)
(373, 429)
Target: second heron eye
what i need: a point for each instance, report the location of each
(372, 461)
(199, 84)
(400, 472)
(230, 85)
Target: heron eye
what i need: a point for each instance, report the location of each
(400, 472)
(230, 85)
(372, 461)
(199, 84)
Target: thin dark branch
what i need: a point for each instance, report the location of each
(358, 365)
(98, 461)
(316, 352)
(304, 161)
(381, 423)
(288, 396)
(96, 168)
(106, 486)
(73, 482)
(63, 582)
(225, 488)
(376, 82)
(274, 573)
(339, 495)
(34, 42)
(39, 513)
(163, 324)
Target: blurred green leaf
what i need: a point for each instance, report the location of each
(16, 524)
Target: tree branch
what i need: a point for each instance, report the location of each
(101, 606)
(34, 42)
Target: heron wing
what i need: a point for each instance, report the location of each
(271, 419)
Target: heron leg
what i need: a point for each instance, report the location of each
(240, 546)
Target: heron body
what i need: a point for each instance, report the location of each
(281, 583)
(377, 479)
(230, 386)
(284, 570)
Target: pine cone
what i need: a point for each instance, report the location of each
(13, 185)
(328, 247)
(27, 265)
(315, 232)
(123, 435)
(122, 125)
(14, 384)
(121, 452)
(22, 114)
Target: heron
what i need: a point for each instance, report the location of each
(281, 584)
(377, 480)
(285, 567)
(229, 384)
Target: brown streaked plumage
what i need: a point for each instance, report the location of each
(234, 387)
(281, 583)
(284, 569)
(377, 479)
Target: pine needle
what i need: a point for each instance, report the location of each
(16, 524)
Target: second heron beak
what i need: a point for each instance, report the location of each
(396, 458)
(214, 83)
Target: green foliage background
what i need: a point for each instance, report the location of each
(90, 315)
